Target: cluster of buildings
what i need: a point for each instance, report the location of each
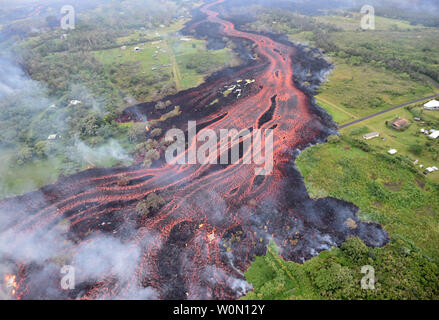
(373, 135)
(401, 124)
(432, 133)
(431, 169)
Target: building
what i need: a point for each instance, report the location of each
(52, 137)
(434, 134)
(431, 170)
(400, 123)
(432, 105)
(75, 102)
(371, 135)
(392, 151)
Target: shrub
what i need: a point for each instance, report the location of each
(123, 181)
(137, 132)
(416, 149)
(150, 156)
(152, 203)
(156, 132)
(359, 131)
(334, 139)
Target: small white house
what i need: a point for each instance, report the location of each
(371, 135)
(434, 135)
(52, 137)
(392, 151)
(432, 105)
(75, 102)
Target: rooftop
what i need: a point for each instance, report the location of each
(432, 104)
(371, 135)
(400, 123)
(434, 134)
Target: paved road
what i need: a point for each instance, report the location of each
(387, 110)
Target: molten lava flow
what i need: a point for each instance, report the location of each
(11, 283)
(215, 218)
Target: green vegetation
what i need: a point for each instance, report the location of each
(353, 92)
(414, 17)
(97, 65)
(388, 190)
(27, 177)
(410, 143)
(407, 52)
(401, 273)
(152, 203)
(161, 67)
(374, 70)
(349, 21)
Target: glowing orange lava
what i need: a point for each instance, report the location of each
(11, 283)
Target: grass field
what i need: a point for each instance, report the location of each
(28, 177)
(339, 114)
(353, 92)
(414, 46)
(161, 62)
(186, 50)
(386, 190)
(403, 201)
(38, 172)
(352, 23)
(400, 140)
(153, 34)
